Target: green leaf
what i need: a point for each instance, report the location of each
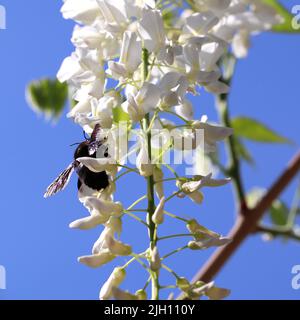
(287, 25)
(254, 130)
(47, 96)
(119, 115)
(279, 213)
(243, 152)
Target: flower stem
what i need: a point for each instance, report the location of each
(176, 217)
(174, 252)
(150, 183)
(136, 202)
(179, 235)
(128, 213)
(234, 163)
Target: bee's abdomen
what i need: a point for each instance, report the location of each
(94, 180)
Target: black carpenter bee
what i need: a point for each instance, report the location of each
(94, 180)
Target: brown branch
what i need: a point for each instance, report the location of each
(247, 222)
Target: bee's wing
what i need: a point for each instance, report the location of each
(60, 182)
(96, 140)
(95, 133)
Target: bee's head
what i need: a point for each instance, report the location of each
(82, 150)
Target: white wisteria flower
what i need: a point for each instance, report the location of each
(99, 164)
(135, 67)
(100, 210)
(107, 248)
(212, 133)
(145, 101)
(152, 32)
(130, 58)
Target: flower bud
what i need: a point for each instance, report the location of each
(199, 231)
(116, 278)
(215, 293)
(143, 163)
(158, 216)
(208, 243)
(119, 294)
(141, 294)
(159, 185)
(183, 284)
(155, 261)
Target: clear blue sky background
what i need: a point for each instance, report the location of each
(36, 246)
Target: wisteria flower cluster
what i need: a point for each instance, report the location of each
(139, 61)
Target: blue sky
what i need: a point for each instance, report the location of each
(38, 249)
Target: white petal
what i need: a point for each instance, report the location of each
(82, 11)
(151, 29)
(148, 97)
(84, 106)
(102, 207)
(97, 260)
(88, 222)
(185, 110)
(98, 164)
(131, 52)
(118, 248)
(201, 23)
(217, 87)
(69, 68)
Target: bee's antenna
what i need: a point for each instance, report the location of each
(75, 144)
(85, 136)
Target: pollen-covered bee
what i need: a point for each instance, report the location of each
(94, 180)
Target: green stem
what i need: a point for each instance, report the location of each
(168, 287)
(173, 252)
(150, 184)
(128, 263)
(175, 216)
(136, 202)
(138, 210)
(234, 164)
(170, 270)
(178, 116)
(121, 175)
(279, 232)
(128, 213)
(147, 283)
(175, 194)
(179, 235)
